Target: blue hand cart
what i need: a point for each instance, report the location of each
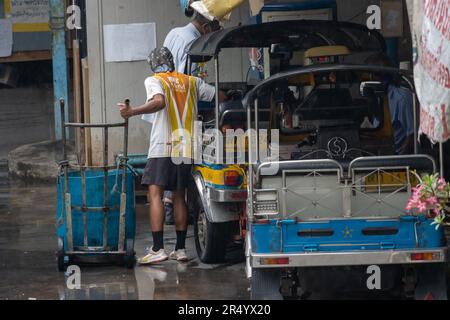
(96, 216)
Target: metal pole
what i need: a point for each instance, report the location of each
(84, 207)
(106, 193)
(67, 195)
(416, 131)
(189, 66)
(441, 159)
(59, 60)
(123, 196)
(216, 65)
(63, 126)
(250, 164)
(257, 128)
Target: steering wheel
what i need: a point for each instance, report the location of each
(234, 95)
(339, 149)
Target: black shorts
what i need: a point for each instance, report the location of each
(163, 172)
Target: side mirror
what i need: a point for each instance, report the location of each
(372, 88)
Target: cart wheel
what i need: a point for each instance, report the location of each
(211, 239)
(130, 254)
(265, 284)
(61, 255)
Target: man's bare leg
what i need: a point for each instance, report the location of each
(181, 217)
(157, 215)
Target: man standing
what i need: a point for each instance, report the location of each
(172, 99)
(179, 40)
(401, 104)
(401, 107)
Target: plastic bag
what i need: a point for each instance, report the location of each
(221, 8)
(431, 48)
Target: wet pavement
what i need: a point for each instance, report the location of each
(28, 266)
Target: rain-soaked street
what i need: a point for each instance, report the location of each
(28, 267)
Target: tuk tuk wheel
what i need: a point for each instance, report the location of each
(265, 284)
(211, 239)
(129, 257)
(431, 282)
(60, 255)
(447, 238)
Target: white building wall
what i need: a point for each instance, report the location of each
(111, 83)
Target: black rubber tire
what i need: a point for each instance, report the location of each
(447, 238)
(431, 282)
(129, 257)
(211, 242)
(60, 256)
(265, 284)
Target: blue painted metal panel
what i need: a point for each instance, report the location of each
(94, 189)
(343, 235)
(57, 23)
(305, 5)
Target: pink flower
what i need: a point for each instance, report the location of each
(422, 207)
(430, 197)
(432, 201)
(409, 207)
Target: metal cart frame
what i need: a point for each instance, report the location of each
(125, 246)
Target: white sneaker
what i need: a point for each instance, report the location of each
(154, 257)
(179, 255)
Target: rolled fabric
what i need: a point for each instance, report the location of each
(216, 9)
(222, 8)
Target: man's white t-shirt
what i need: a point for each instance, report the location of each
(179, 41)
(161, 135)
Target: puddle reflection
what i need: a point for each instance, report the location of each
(139, 284)
(28, 269)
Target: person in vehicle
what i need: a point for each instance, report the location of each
(179, 41)
(401, 106)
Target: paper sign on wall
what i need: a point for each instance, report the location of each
(28, 15)
(129, 42)
(6, 38)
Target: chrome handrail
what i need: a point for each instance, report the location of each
(293, 162)
(387, 158)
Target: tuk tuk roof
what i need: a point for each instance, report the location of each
(300, 34)
(251, 95)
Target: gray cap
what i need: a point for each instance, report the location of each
(161, 57)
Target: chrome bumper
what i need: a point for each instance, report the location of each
(227, 195)
(334, 259)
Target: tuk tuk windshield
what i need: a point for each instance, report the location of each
(359, 107)
(312, 101)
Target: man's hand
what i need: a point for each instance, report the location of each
(154, 105)
(125, 111)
